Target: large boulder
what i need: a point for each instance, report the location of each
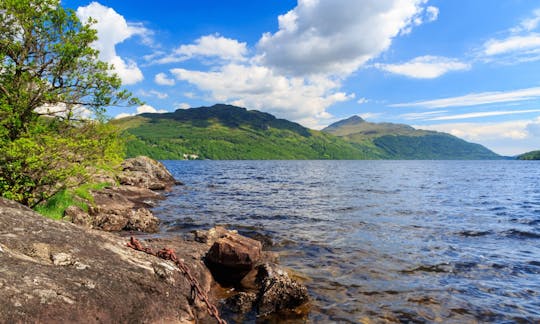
(53, 272)
(231, 257)
(147, 173)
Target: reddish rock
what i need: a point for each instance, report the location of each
(231, 257)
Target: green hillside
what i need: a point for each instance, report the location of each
(534, 155)
(229, 132)
(224, 132)
(400, 141)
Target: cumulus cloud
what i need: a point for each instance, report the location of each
(296, 71)
(336, 37)
(475, 99)
(163, 79)
(113, 29)
(211, 46)
(425, 67)
(259, 87)
(141, 110)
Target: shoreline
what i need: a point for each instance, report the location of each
(61, 267)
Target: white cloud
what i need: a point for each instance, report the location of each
(259, 87)
(183, 105)
(475, 99)
(512, 44)
(484, 114)
(528, 24)
(208, 46)
(153, 93)
(370, 115)
(508, 138)
(521, 44)
(149, 109)
(336, 37)
(425, 67)
(362, 101)
(432, 13)
(141, 110)
(113, 29)
(533, 128)
(163, 79)
(62, 110)
(422, 115)
(296, 71)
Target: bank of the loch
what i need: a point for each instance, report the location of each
(54, 271)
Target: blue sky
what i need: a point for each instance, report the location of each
(470, 68)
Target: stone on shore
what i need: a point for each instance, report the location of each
(231, 257)
(125, 207)
(54, 272)
(147, 173)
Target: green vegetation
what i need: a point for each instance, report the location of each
(534, 155)
(228, 132)
(56, 205)
(50, 78)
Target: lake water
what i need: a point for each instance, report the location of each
(396, 241)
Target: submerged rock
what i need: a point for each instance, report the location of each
(269, 290)
(278, 291)
(264, 287)
(53, 271)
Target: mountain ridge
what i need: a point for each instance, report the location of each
(230, 132)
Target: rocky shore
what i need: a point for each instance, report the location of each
(81, 270)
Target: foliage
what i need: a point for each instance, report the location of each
(50, 78)
(534, 155)
(230, 133)
(56, 157)
(56, 205)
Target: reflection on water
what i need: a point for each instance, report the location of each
(390, 241)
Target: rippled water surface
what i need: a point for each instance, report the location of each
(422, 241)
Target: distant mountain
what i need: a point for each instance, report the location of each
(534, 155)
(399, 141)
(228, 132)
(225, 132)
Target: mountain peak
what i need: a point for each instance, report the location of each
(353, 120)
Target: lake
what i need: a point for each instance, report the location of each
(421, 241)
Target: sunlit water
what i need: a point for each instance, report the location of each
(421, 241)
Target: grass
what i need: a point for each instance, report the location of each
(55, 206)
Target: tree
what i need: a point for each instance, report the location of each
(49, 77)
